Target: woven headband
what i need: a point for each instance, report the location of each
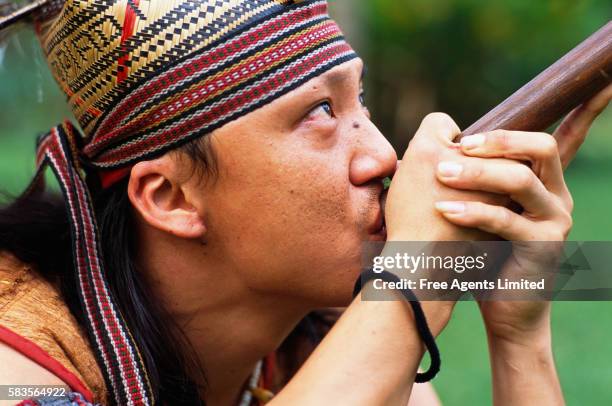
(144, 77)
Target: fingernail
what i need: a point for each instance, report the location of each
(450, 169)
(473, 141)
(450, 207)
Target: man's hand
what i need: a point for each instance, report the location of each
(519, 332)
(493, 164)
(409, 208)
(541, 191)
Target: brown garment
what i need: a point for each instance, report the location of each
(33, 308)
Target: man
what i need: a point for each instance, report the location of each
(221, 243)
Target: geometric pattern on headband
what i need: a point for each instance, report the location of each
(97, 49)
(218, 84)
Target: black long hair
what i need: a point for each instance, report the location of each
(36, 230)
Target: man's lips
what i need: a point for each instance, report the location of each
(378, 228)
(378, 224)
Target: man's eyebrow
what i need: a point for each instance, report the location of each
(332, 78)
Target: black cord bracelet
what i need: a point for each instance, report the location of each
(419, 317)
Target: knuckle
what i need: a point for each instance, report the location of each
(425, 149)
(492, 218)
(503, 219)
(558, 229)
(567, 222)
(550, 147)
(569, 202)
(441, 120)
(474, 213)
(437, 117)
(501, 139)
(566, 200)
(472, 172)
(555, 235)
(524, 178)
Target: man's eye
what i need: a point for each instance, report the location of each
(324, 108)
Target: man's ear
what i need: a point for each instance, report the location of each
(156, 191)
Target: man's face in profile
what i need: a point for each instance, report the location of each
(299, 189)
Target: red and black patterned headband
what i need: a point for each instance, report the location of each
(144, 77)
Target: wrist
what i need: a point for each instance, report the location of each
(437, 312)
(522, 342)
(523, 370)
(536, 333)
(525, 356)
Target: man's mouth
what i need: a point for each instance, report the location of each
(379, 226)
(379, 229)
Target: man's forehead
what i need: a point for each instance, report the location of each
(349, 71)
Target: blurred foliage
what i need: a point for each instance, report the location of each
(462, 57)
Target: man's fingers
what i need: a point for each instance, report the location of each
(600, 101)
(492, 219)
(497, 220)
(538, 148)
(502, 177)
(574, 128)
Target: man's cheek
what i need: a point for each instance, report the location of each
(325, 207)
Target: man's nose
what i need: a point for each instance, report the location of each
(374, 157)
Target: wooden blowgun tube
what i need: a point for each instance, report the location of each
(569, 82)
(565, 85)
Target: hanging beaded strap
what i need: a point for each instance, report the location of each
(127, 377)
